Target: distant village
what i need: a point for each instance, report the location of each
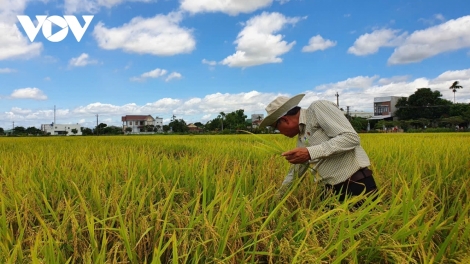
(385, 118)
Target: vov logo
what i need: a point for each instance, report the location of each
(45, 23)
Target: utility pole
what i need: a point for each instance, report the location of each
(337, 99)
(97, 129)
(347, 113)
(54, 114)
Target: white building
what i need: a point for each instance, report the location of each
(362, 114)
(141, 123)
(61, 129)
(159, 122)
(384, 107)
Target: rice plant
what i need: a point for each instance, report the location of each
(211, 199)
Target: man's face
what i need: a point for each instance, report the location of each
(288, 125)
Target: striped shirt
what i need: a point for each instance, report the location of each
(332, 142)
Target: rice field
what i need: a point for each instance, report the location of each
(211, 199)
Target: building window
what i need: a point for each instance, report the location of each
(380, 109)
(130, 123)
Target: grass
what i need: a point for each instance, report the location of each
(210, 199)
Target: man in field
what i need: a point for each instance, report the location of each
(327, 140)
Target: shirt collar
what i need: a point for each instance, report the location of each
(302, 121)
(302, 117)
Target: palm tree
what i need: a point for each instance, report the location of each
(454, 88)
(222, 114)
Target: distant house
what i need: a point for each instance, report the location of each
(256, 120)
(384, 108)
(61, 129)
(140, 123)
(193, 128)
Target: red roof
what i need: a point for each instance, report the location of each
(135, 117)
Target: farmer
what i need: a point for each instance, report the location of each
(327, 140)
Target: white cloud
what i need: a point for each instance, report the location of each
(206, 118)
(81, 61)
(257, 44)
(436, 17)
(439, 17)
(9, 9)
(162, 106)
(219, 102)
(7, 70)
(28, 93)
(451, 76)
(394, 79)
(173, 75)
(371, 42)
(350, 83)
(160, 35)
(21, 111)
(422, 44)
(151, 74)
(231, 7)
(360, 99)
(210, 63)
(356, 92)
(318, 43)
(93, 6)
(14, 45)
(12, 42)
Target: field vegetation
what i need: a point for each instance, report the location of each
(211, 199)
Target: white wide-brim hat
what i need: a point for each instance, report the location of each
(279, 107)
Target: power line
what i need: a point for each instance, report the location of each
(423, 106)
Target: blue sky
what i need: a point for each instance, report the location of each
(196, 58)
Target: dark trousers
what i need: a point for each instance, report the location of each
(360, 182)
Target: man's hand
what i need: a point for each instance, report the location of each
(297, 155)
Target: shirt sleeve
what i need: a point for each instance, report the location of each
(336, 126)
(296, 170)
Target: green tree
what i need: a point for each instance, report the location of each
(466, 116)
(33, 130)
(2, 132)
(455, 85)
(452, 121)
(236, 120)
(179, 125)
(358, 123)
(214, 124)
(86, 131)
(111, 130)
(74, 131)
(458, 109)
(166, 128)
(19, 130)
(99, 129)
(222, 115)
(424, 103)
(128, 129)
